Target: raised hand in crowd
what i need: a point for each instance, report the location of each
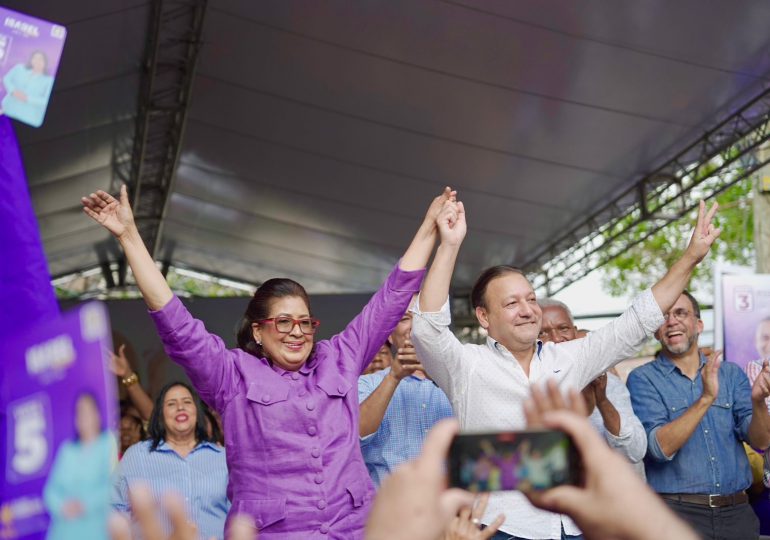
(705, 233)
(668, 289)
(113, 214)
(613, 501)
(451, 223)
(149, 527)
(405, 362)
(121, 367)
(119, 364)
(413, 502)
(467, 524)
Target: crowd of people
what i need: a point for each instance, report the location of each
(300, 454)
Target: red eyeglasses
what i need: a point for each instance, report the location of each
(286, 324)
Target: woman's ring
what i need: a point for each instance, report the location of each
(476, 521)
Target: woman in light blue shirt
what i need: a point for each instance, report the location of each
(76, 495)
(180, 457)
(28, 88)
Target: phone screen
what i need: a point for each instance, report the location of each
(513, 460)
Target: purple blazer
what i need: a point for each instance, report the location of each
(292, 437)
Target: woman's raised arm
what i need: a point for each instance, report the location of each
(116, 216)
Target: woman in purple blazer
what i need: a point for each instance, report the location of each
(290, 416)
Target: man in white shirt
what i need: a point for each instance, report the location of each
(488, 384)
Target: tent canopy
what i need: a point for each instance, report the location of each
(318, 133)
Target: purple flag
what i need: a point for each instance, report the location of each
(25, 284)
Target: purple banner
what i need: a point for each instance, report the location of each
(746, 306)
(25, 284)
(30, 49)
(59, 404)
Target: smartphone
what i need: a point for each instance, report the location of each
(513, 460)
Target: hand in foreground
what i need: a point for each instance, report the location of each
(106, 210)
(149, 527)
(405, 362)
(413, 502)
(705, 233)
(466, 526)
(451, 223)
(613, 502)
(760, 390)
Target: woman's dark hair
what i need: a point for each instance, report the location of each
(480, 287)
(259, 308)
(216, 433)
(94, 401)
(157, 427)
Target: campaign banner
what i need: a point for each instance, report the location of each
(58, 402)
(30, 50)
(746, 317)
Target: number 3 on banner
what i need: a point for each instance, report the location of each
(30, 441)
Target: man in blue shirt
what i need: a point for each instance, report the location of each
(399, 405)
(696, 413)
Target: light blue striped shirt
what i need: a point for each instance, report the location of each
(415, 407)
(200, 478)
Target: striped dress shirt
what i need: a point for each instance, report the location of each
(200, 479)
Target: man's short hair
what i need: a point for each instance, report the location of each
(552, 302)
(694, 302)
(480, 287)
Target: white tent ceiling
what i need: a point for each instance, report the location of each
(319, 131)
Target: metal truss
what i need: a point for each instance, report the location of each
(722, 157)
(148, 165)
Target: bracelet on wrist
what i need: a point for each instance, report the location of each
(130, 380)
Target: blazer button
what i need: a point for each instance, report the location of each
(312, 430)
(310, 406)
(324, 528)
(341, 389)
(294, 376)
(259, 523)
(266, 398)
(315, 452)
(321, 504)
(319, 479)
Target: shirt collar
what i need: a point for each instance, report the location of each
(668, 366)
(165, 447)
(306, 369)
(492, 343)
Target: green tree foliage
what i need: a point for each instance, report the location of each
(643, 264)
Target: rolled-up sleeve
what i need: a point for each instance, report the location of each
(621, 338)
(438, 349)
(632, 439)
(649, 407)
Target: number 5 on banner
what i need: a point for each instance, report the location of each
(29, 437)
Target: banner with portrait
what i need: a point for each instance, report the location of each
(58, 441)
(745, 317)
(30, 49)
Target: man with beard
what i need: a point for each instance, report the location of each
(697, 412)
